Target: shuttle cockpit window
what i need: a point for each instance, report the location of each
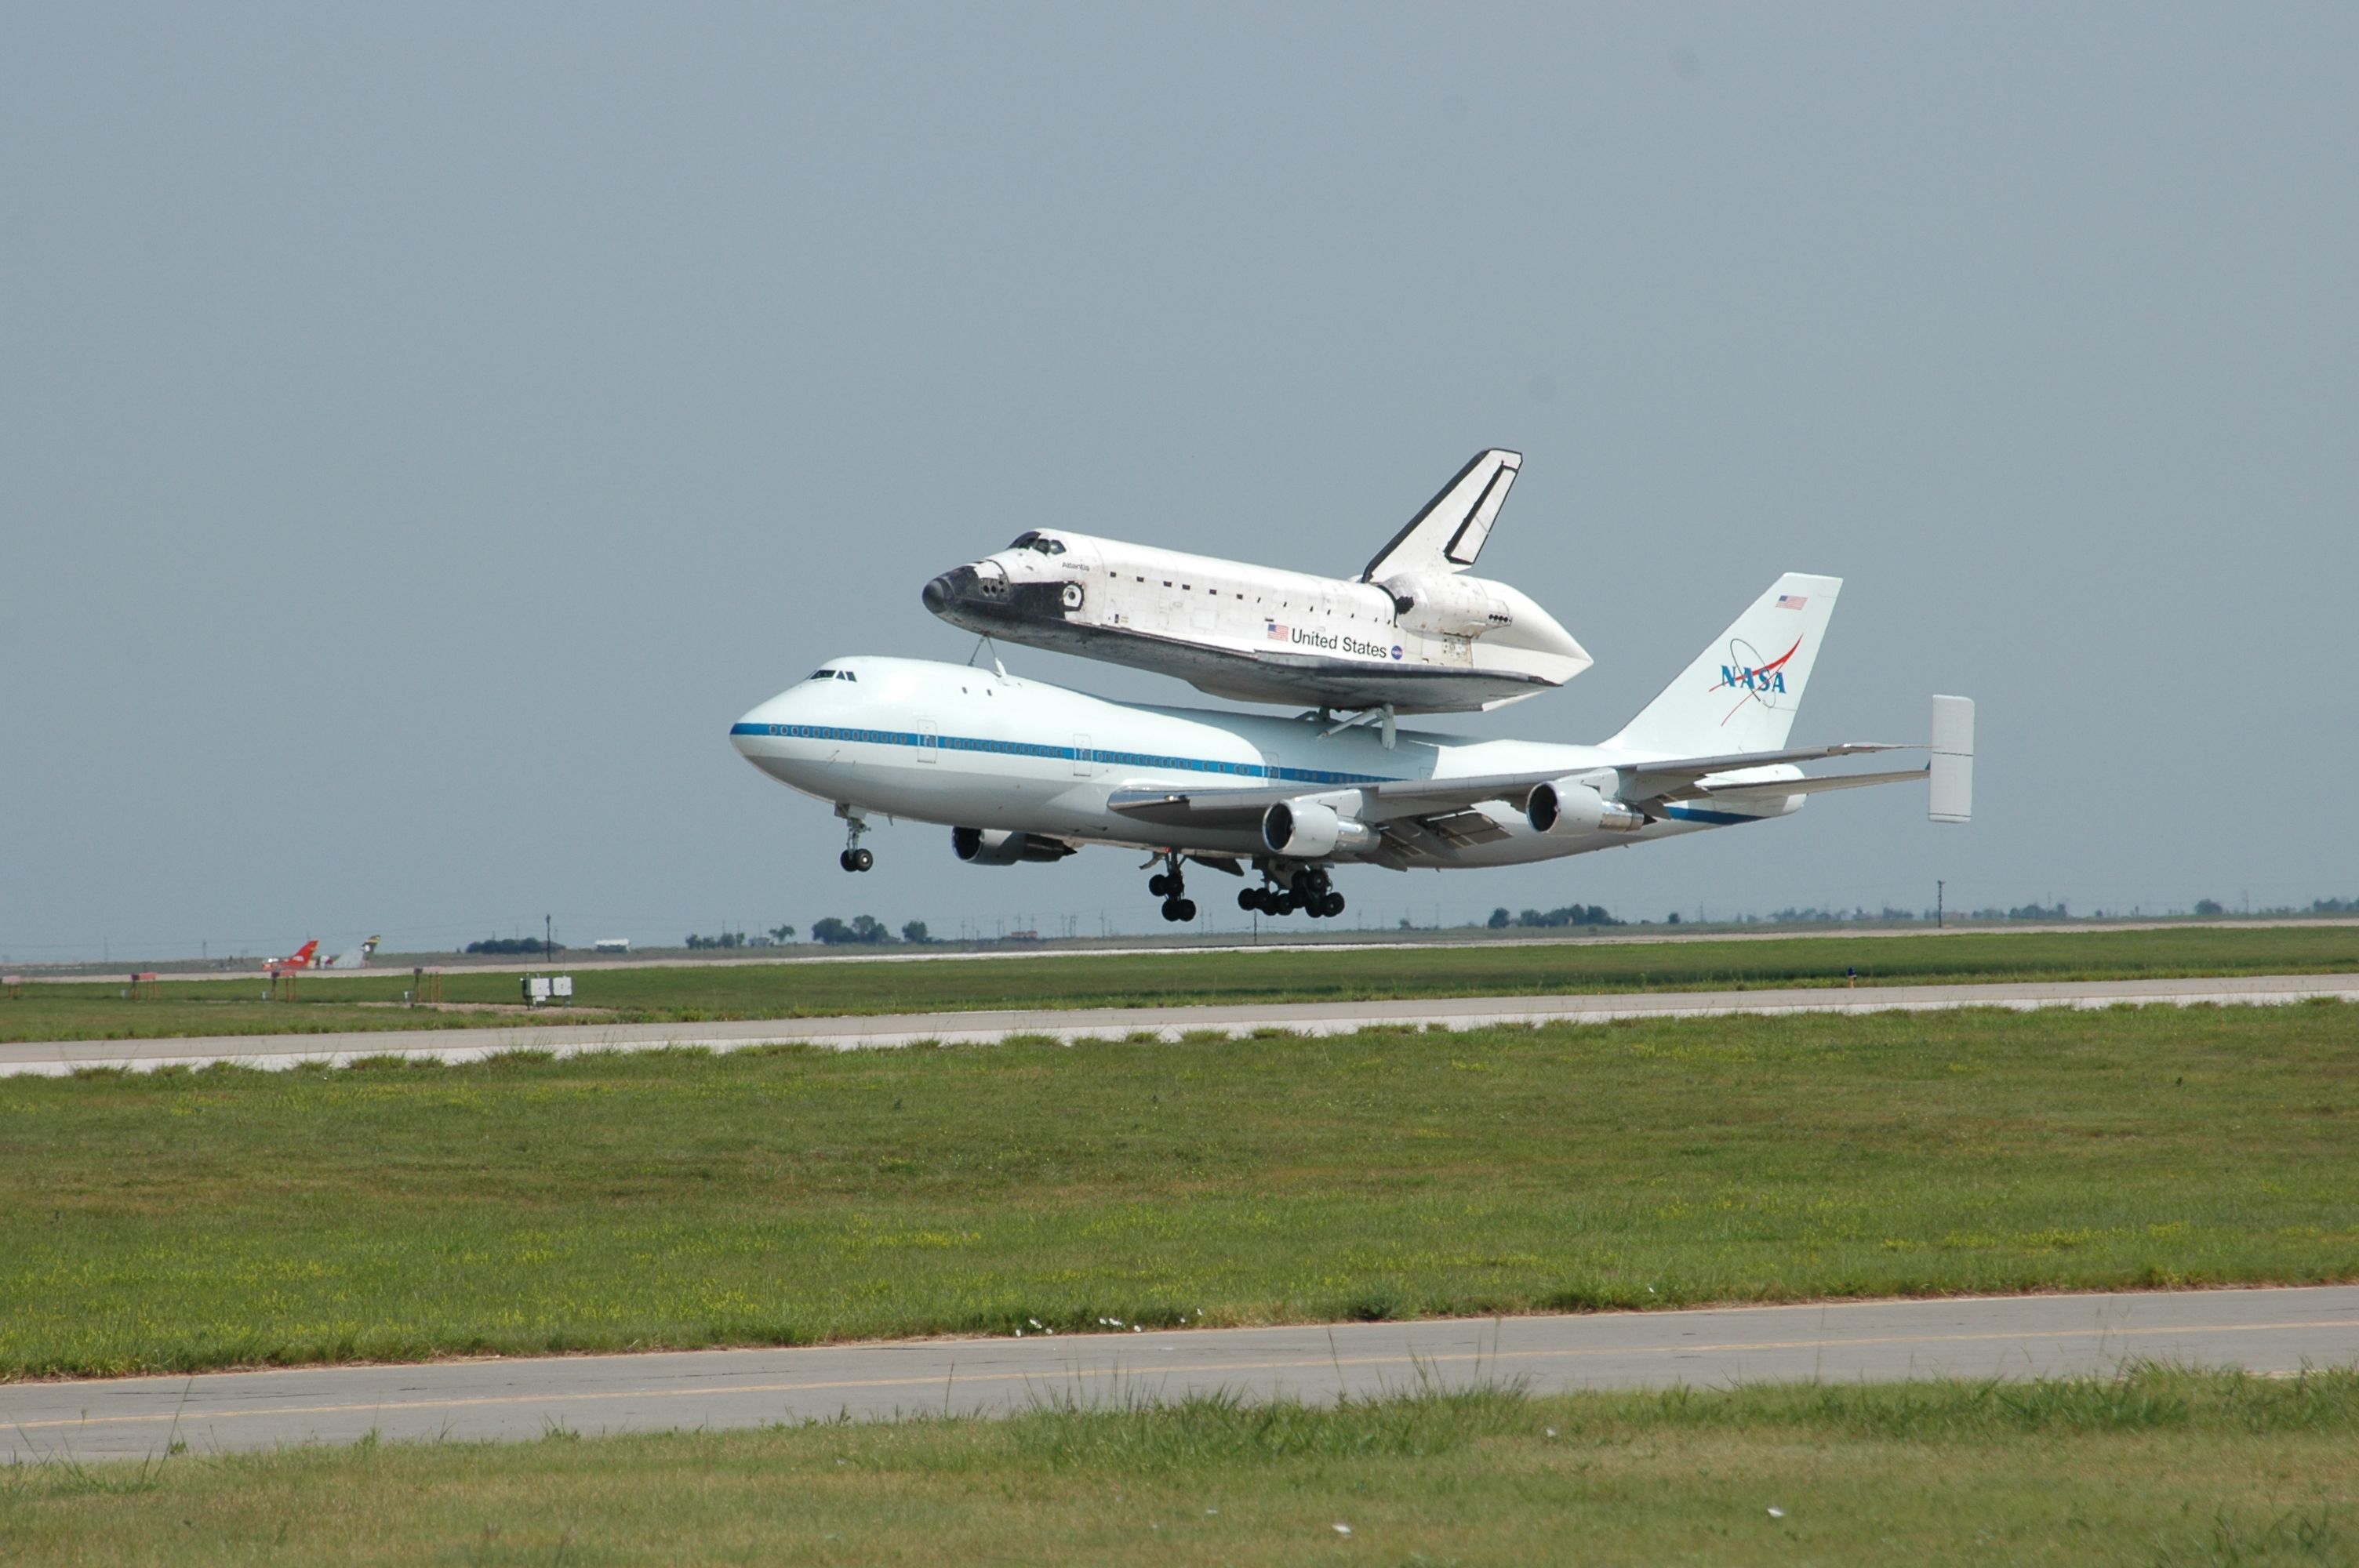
(1025, 540)
(1048, 547)
(1033, 539)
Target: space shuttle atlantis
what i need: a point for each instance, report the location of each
(1411, 633)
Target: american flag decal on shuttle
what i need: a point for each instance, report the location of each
(1278, 634)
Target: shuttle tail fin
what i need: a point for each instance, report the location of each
(1448, 532)
(1741, 692)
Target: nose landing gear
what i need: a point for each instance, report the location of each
(855, 857)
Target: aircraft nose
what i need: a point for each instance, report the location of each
(950, 589)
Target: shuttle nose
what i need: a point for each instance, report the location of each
(946, 591)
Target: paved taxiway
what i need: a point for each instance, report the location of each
(279, 1051)
(2268, 1331)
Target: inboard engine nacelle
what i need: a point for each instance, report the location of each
(1576, 805)
(1309, 829)
(992, 847)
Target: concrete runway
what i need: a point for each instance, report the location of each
(280, 1051)
(2267, 1331)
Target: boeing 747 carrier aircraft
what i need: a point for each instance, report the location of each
(1020, 771)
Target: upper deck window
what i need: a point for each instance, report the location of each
(822, 674)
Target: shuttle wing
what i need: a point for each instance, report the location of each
(1448, 534)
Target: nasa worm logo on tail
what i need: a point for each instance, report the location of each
(1762, 683)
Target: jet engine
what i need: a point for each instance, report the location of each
(1572, 805)
(995, 847)
(1447, 605)
(1306, 830)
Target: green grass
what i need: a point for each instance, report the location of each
(81, 1011)
(181, 1220)
(2156, 1468)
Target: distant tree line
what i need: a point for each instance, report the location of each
(1571, 915)
(865, 929)
(510, 946)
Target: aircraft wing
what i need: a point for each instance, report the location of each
(1778, 789)
(1420, 818)
(1656, 779)
(1642, 782)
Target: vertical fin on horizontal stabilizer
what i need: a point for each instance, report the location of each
(1448, 534)
(1953, 759)
(1740, 693)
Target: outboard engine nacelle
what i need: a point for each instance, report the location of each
(1572, 806)
(1306, 830)
(996, 847)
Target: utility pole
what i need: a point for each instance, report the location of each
(1938, 885)
(547, 935)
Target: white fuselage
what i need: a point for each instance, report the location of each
(1422, 641)
(971, 748)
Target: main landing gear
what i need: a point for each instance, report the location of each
(1307, 890)
(1168, 886)
(855, 857)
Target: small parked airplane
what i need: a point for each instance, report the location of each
(1410, 634)
(307, 957)
(1021, 771)
(303, 957)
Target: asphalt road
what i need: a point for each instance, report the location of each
(2267, 1331)
(279, 1051)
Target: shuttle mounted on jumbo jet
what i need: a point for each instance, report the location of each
(1020, 771)
(1410, 634)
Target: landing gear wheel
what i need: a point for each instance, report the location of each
(1187, 908)
(862, 859)
(1159, 885)
(1331, 906)
(1280, 903)
(1249, 898)
(844, 860)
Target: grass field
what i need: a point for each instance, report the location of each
(181, 1220)
(2157, 1467)
(86, 1012)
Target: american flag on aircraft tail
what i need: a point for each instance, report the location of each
(1791, 601)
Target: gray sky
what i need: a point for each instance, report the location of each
(424, 429)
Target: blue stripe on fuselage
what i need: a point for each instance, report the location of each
(1065, 753)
